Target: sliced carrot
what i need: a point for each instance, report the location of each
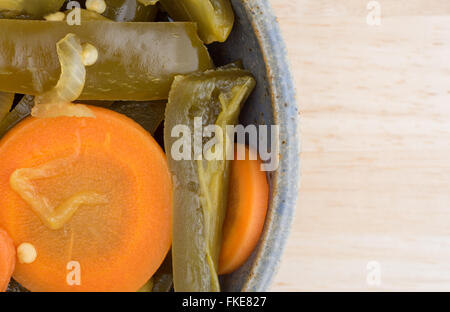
(246, 212)
(113, 241)
(7, 259)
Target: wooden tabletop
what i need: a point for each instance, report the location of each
(374, 95)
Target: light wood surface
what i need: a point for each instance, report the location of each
(375, 110)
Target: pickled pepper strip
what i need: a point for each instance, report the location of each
(6, 102)
(137, 61)
(147, 114)
(19, 112)
(148, 2)
(200, 186)
(15, 15)
(129, 11)
(33, 8)
(215, 18)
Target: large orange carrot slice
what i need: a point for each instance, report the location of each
(7, 259)
(246, 213)
(94, 198)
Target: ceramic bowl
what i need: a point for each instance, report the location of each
(257, 41)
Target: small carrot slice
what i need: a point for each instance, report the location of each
(114, 244)
(7, 259)
(247, 207)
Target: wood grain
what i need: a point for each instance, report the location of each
(375, 109)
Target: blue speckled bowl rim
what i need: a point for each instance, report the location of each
(287, 179)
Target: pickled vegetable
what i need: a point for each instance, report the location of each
(7, 259)
(32, 8)
(6, 102)
(86, 15)
(98, 6)
(137, 61)
(201, 186)
(58, 101)
(15, 15)
(20, 111)
(55, 17)
(53, 218)
(148, 2)
(129, 11)
(215, 18)
(148, 114)
(246, 210)
(119, 245)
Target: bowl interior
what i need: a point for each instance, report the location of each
(255, 40)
